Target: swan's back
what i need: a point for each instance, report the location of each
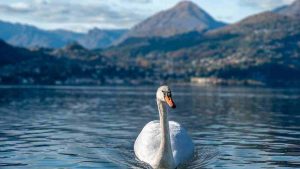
(147, 144)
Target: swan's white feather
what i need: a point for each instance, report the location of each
(147, 144)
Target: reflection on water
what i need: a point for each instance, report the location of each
(89, 127)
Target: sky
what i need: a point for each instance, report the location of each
(82, 15)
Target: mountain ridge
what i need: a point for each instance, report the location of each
(292, 10)
(29, 36)
(184, 17)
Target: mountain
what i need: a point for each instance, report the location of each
(72, 65)
(290, 10)
(66, 36)
(71, 51)
(182, 18)
(30, 36)
(100, 38)
(74, 51)
(13, 55)
(264, 48)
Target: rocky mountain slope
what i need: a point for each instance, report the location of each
(182, 18)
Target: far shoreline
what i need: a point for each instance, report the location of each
(141, 86)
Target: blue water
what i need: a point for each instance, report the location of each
(95, 127)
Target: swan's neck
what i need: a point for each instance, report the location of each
(164, 157)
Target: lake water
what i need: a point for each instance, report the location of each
(95, 127)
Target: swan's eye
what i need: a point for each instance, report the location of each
(167, 94)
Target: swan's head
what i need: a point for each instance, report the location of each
(164, 94)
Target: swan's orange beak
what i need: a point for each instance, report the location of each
(170, 102)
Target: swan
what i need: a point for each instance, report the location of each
(164, 144)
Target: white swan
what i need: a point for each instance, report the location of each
(164, 144)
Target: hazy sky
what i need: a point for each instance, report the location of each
(81, 15)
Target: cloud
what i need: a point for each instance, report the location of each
(19, 7)
(264, 4)
(41, 1)
(76, 15)
(138, 1)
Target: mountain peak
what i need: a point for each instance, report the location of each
(190, 9)
(185, 4)
(184, 17)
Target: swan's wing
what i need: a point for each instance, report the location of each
(181, 142)
(147, 144)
